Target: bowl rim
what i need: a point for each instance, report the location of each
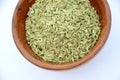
(51, 66)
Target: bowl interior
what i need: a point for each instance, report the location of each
(18, 29)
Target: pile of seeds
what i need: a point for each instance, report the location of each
(62, 31)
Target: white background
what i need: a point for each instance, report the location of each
(13, 66)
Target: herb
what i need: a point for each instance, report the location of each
(62, 31)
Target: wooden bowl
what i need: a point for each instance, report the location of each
(18, 30)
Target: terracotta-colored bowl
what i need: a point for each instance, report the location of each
(18, 30)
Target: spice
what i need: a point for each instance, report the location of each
(62, 31)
